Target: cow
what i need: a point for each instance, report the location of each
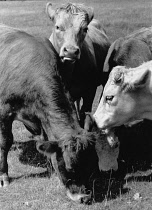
(32, 91)
(82, 45)
(126, 97)
(130, 51)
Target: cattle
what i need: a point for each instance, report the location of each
(126, 96)
(32, 91)
(130, 51)
(82, 46)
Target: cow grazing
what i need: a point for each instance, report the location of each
(126, 96)
(82, 46)
(32, 91)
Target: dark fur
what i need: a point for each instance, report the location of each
(31, 91)
(86, 74)
(130, 51)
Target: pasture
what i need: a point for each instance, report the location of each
(30, 187)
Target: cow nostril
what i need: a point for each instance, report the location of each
(77, 51)
(65, 49)
(72, 50)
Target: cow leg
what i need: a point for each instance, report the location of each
(6, 140)
(88, 98)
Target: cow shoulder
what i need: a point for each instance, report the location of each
(98, 36)
(145, 34)
(95, 47)
(110, 58)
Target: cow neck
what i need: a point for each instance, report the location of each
(59, 128)
(51, 39)
(65, 69)
(60, 120)
(51, 45)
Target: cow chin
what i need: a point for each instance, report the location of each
(101, 122)
(68, 60)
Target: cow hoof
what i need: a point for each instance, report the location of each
(4, 180)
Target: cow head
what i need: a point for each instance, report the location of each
(76, 163)
(124, 97)
(70, 28)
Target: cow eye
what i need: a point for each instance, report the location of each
(109, 99)
(57, 27)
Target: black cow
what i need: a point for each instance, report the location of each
(32, 91)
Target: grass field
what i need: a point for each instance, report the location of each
(30, 187)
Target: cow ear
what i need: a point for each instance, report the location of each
(90, 13)
(141, 79)
(109, 61)
(47, 147)
(50, 11)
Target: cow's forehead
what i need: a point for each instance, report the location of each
(67, 20)
(72, 9)
(116, 73)
(71, 16)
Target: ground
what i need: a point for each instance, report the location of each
(31, 188)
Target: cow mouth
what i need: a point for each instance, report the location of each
(68, 59)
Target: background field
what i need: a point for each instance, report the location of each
(30, 187)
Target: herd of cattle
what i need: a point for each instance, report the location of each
(43, 81)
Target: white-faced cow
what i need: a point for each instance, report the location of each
(82, 46)
(127, 96)
(32, 91)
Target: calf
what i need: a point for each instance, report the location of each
(82, 46)
(32, 91)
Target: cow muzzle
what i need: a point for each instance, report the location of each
(85, 198)
(70, 53)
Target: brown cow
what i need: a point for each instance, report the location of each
(32, 91)
(82, 46)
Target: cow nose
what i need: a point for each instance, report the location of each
(71, 51)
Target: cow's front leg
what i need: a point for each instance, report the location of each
(6, 140)
(88, 98)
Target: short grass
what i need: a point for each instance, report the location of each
(31, 188)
